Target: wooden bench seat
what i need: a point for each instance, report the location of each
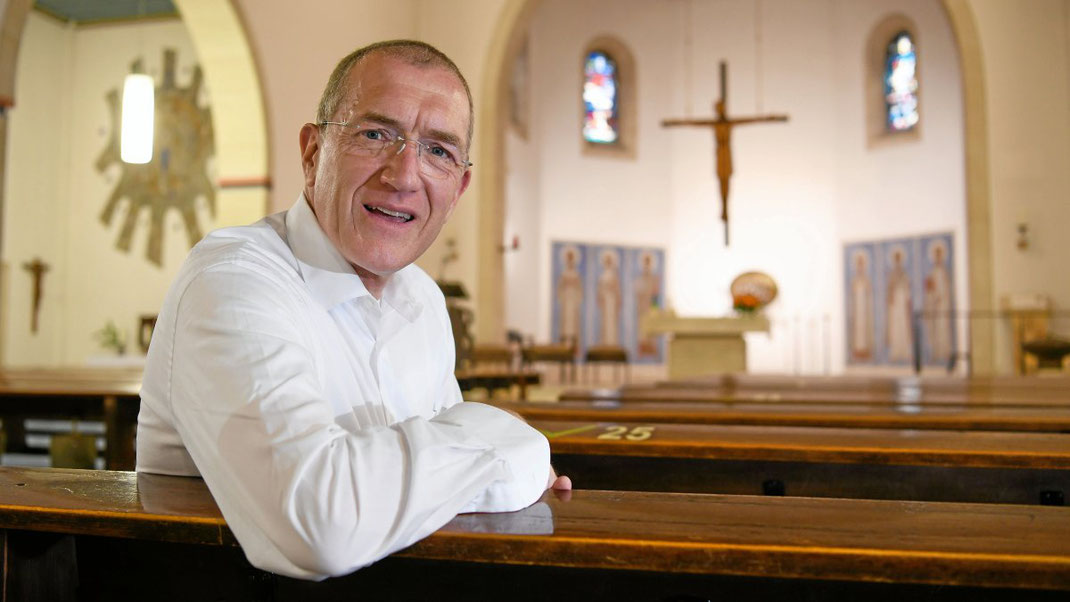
(983, 399)
(74, 374)
(112, 534)
(1019, 468)
(786, 382)
(43, 394)
(793, 443)
(904, 416)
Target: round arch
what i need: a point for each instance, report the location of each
(241, 136)
(516, 16)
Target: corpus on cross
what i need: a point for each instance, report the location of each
(722, 132)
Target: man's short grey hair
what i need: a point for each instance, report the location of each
(420, 54)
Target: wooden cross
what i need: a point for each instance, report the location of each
(722, 135)
(37, 268)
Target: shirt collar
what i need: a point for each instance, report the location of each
(331, 278)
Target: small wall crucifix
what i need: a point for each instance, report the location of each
(722, 133)
(37, 269)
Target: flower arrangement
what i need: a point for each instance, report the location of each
(751, 291)
(746, 303)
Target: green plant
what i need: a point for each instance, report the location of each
(110, 337)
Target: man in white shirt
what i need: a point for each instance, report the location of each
(303, 366)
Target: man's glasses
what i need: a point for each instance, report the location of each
(437, 159)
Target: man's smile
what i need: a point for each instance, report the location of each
(396, 215)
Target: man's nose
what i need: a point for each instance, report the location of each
(402, 167)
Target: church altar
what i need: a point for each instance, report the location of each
(704, 345)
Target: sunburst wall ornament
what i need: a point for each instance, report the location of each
(176, 176)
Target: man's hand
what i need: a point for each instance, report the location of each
(559, 483)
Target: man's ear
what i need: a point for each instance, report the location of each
(310, 152)
(466, 179)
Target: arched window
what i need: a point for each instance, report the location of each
(900, 83)
(601, 120)
(608, 97)
(893, 72)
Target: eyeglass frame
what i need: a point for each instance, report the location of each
(420, 146)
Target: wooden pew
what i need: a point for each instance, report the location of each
(783, 382)
(75, 374)
(1015, 468)
(112, 396)
(905, 416)
(99, 535)
(109, 396)
(981, 399)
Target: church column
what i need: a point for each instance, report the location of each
(978, 192)
(491, 108)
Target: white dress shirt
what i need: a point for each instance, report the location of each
(327, 424)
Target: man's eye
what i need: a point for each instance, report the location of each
(373, 135)
(440, 152)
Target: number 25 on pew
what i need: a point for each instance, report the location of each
(637, 433)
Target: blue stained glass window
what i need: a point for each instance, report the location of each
(600, 122)
(901, 83)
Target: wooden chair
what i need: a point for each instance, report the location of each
(494, 355)
(1049, 351)
(563, 354)
(1029, 316)
(493, 380)
(607, 354)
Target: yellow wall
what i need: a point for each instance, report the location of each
(54, 195)
(1026, 54)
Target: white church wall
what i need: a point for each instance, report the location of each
(899, 189)
(782, 188)
(800, 189)
(522, 222)
(597, 199)
(1026, 53)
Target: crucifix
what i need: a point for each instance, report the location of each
(722, 137)
(37, 269)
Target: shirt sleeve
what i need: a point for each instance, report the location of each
(305, 497)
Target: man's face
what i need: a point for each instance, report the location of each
(349, 191)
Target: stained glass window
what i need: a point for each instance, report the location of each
(600, 123)
(901, 83)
